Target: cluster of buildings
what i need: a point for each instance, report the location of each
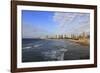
(71, 36)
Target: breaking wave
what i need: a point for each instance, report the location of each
(32, 46)
(28, 47)
(57, 54)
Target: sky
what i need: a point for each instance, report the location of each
(41, 23)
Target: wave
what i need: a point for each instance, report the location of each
(37, 45)
(28, 47)
(32, 46)
(55, 54)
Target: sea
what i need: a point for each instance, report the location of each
(38, 50)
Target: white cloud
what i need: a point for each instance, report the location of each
(63, 18)
(72, 22)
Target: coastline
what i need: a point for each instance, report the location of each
(84, 42)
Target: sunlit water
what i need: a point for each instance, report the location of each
(35, 50)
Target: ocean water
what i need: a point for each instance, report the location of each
(37, 50)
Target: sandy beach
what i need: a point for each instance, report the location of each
(84, 42)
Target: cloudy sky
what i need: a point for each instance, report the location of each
(41, 23)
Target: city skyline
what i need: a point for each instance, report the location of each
(41, 23)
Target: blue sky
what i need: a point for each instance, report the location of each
(41, 23)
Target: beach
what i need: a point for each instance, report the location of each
(84, 42)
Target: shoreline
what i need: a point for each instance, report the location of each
(84, 42)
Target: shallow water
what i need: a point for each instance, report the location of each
(35, 50)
